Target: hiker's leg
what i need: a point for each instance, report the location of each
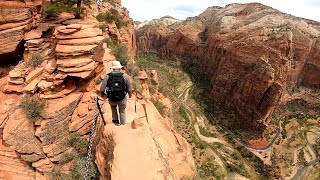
(122, 110)
(114, 111)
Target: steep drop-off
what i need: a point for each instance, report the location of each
(254, 56)
(62, 68)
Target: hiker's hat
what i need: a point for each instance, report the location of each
(142, 75)
(116, 65)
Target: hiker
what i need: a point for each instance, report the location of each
(116, 85)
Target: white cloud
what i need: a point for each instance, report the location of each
(150, 9)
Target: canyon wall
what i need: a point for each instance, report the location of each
(253, 55)
(61, 63)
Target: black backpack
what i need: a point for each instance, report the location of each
(116, 87)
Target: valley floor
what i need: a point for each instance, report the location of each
(222, 154)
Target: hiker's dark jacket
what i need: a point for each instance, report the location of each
(126, 80)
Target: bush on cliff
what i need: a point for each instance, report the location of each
(78, 167)
(36, 60)
(33, 107)
(112, 16)
(77, 142)
(119, 50)
(54, 8)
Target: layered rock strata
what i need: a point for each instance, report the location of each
(251, 55)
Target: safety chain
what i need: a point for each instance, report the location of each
(95, 117)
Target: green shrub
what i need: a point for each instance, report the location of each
(183, 112)
(77, 142)
(206, 133)
(112, 16)
(132, 69)
(284, 134)
(119, 50)
(68, 157)
(160, 106)
(121, 53)
(78, 167)
(210, 169)
(36, 60)
(103, 27)
(33, 107)
(52, 10)
(56, 174)
(152, 89)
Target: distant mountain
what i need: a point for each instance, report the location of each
(165, 21)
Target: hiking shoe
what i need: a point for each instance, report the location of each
(116, 122)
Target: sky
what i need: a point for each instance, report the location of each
(142, 10)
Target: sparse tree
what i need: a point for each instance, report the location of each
(55, 7)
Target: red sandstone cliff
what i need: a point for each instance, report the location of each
(253, 55)
(74, 58)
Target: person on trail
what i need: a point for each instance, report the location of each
(116, 85)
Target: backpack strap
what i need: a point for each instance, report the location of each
(116, 74)
(112, 74)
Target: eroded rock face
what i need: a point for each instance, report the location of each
(57, 120)
(19, 132)
(250, 53)
(16, 19)
(12, 166)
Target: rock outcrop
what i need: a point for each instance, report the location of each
(251, 54)
(145, 147)
(16, 19)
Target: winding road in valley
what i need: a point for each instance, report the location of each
(193, 119)
(185, 96)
